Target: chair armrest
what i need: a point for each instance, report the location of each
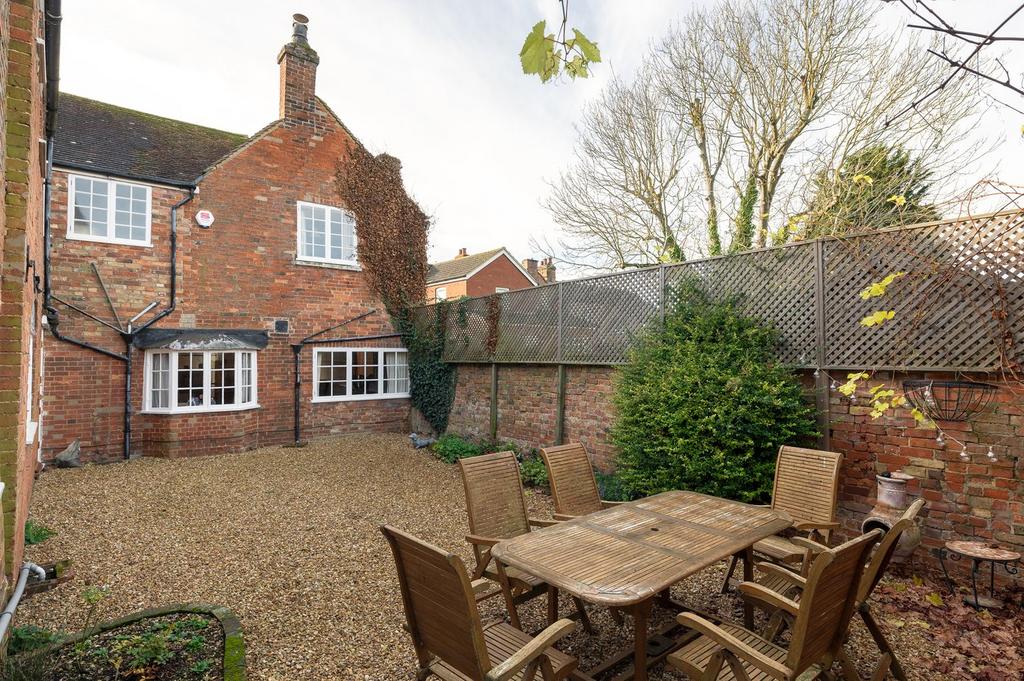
(793, 578)
(561, 517)
(612, 504)
(481, 541)
(768, 597)
(734, 645)
(531, 651)
(538, 522)
(810, 544)
(805, 526)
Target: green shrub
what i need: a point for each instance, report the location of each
(30, 637)
(533, 470)
(37, 533)
(702, 405)
(611, 487)
(450, 448)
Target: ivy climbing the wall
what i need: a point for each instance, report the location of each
(392, 246)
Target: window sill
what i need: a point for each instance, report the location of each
(201, 410)
(327, 265)
(102, 240)
(361, 398)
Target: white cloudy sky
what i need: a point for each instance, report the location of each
(437, 84)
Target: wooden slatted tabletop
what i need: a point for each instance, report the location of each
(624, 555)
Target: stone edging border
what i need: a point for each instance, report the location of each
(234, 642)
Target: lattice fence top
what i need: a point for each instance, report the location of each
(959, 306)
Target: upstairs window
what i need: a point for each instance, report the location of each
(108, 210)
(359, 374)
(213, 380)
(326, 234)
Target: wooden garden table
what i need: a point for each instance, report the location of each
(625, 556)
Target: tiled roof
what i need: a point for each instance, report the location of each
(117, 141)
(459, 267)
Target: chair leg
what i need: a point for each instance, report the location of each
(552, 605)
(882, 642)
(728, 575)
(510, 601)
(715, 665)
(584, 618)
(846, 665)
(883, 668)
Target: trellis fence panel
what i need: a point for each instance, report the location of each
(959, 304)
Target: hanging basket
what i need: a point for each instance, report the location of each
(948, 400)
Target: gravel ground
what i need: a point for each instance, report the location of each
(289, 540)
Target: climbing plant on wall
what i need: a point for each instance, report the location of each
(392, 248)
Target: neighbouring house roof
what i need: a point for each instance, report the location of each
(112, 140)
(201, 339)
(467, 266)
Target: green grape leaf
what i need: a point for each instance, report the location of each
(577, 67)
(589, 49)
(536, 51)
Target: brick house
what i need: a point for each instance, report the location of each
(480, 274)
(212, 353)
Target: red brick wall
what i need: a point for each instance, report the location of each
(453, 290)
(502, 273)
(240, 273)
(977, 499)
(21, 119)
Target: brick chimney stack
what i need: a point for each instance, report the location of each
(462, 253)
(546, 270)
(298, 63)
(530, 265)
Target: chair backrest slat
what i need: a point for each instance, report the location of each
(879, 562)
(828, 601)
(494, 495)
(807, 484)
(573, 485)
(439, 605)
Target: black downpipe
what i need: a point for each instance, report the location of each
(296, 349)
(127, 395)
(174, 261)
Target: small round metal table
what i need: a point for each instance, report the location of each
(979, 552)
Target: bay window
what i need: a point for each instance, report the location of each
(107, 210)
(359, 374)
(191, 381)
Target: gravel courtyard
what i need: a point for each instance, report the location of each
(287, 538)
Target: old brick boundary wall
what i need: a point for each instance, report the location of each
(976, 499)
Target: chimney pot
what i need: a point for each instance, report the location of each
(462, 253)
(546, 270)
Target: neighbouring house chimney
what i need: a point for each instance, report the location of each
(530, 266)
(462, 253)
(298, 62)
(547, 270)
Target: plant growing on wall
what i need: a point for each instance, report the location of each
(392, 248)
(702, 405)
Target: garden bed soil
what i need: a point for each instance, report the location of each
(175, 647)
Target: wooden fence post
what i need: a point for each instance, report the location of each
(821, 386)
(494, 401)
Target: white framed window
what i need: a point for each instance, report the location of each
(441, 293)
(194, 381)
(501, 289)
(341, 374)
(326, 234)
(109, 210)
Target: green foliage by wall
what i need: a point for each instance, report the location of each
(431, 379)
(702, 406)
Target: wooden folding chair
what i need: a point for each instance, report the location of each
(497, 510)
(821, 620)
(807, 488)
(788, 584)
(450, 641)
(573, 485)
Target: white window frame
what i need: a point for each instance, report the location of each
(353, 263)
(172, 402)
(348, 396)
(441, 293)
(111, 210)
